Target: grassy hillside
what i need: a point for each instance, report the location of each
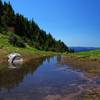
(27, 30)
(93, 55)
(27, 52)
(90, 53)
(6, 48)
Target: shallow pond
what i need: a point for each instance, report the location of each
(43, 79)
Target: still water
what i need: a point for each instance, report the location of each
(40, 79)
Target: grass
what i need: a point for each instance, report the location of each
(90, 53)
(93, 55)
(6, 48)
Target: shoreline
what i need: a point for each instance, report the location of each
(26, 55)
(85, 63)
(91, 67)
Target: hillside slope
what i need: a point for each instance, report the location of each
(28, 30)
(28, 52)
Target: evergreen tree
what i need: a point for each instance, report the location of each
(27, 30)
(1, 8)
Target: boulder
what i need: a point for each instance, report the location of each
(15, 58)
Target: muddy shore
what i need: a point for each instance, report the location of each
(89, 66)
(88, 91)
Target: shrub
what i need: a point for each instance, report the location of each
(14, 40)
(20, 44)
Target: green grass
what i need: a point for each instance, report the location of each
(93, 55)
(6, 48)
(90, 53)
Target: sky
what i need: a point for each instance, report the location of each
(76, 22)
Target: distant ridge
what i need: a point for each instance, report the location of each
(81, 49)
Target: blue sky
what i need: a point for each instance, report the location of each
(76, 22)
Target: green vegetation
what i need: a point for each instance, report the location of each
(92, 55)
(28, 52)
(28, 32)
(18, 34)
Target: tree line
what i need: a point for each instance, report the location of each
(28, 30)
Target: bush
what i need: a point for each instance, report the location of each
(14, 40)
(20, 44)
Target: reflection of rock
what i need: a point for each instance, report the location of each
(11, 77)
(15, 58)
(14, 65)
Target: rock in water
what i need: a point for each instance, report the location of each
(15, 58)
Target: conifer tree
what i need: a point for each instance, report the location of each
(28, 30)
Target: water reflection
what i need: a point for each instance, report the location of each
(15, 65)
(59, 58)
(12, 75)
(42, 79)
